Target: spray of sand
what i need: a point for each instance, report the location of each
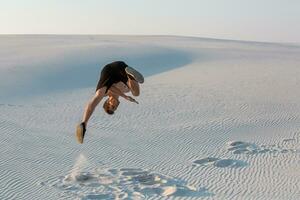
(76, 172)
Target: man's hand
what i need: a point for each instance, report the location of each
(129, 98)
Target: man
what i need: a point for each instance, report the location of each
(116, 79)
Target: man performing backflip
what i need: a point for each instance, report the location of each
(116, 79)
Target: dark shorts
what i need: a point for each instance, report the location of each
(112, 73)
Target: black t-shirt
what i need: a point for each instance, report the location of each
(112, 73)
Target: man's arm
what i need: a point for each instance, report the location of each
(90, 107)
(116, 90)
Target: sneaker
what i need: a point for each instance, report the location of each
(80, 132)
(135, 75)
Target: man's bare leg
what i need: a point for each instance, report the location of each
(134, 87)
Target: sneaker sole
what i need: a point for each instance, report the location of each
(135, 74)
(79, 134)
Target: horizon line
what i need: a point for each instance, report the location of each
(152, 35)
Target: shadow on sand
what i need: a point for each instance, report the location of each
(74, 67)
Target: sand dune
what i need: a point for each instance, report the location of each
(217, 119)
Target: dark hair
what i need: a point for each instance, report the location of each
(106, 108)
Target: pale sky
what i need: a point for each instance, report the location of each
(255, 20)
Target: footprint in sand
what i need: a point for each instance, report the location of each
(239, 147)
(206, 161)
(124, 183)
(221, 163)
(230, 163)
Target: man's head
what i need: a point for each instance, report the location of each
(111, 105)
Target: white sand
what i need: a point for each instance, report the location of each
(216, 120)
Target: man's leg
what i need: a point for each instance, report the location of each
(134, 74)
(134, 87)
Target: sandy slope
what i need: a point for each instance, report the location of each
(216, 120)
